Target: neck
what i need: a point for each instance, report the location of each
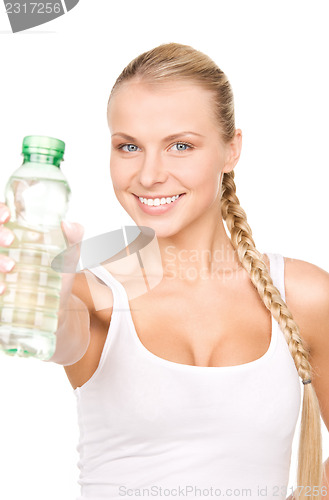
(196, 256)
(192, 255)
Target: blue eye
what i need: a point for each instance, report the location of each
(129, 151)
(183, 144)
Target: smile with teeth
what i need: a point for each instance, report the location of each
(158, 201)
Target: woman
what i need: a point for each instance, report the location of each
(195, 385)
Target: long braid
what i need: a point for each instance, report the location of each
(251, 259)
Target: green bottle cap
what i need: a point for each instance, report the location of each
(42, 144)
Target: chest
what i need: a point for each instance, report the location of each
(207, 326)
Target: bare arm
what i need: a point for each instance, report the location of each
(76, 316)
(73, 334)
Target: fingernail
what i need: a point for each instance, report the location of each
(9, 238)
(68, 225)
(8, 265)
(4, 216)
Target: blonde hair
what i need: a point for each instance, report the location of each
(172, 62)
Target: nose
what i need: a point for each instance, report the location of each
(152, 170)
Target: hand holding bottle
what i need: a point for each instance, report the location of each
(73, 232)
(33, 297)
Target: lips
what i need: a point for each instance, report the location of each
(159, 209)
(157, 196)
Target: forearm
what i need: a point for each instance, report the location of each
(73, 333)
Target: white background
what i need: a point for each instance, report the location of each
(56, 79)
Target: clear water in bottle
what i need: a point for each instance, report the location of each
(37, 195)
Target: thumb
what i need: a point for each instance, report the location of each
(73, 231)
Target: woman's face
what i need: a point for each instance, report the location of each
(146, 162)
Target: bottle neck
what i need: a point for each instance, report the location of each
(42, 158)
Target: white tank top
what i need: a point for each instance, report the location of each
(150, 427)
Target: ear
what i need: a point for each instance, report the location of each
(233, 151)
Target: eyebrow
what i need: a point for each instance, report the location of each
(168, 138)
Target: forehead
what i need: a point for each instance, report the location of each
(169, 105)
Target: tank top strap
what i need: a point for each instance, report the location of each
(120, 298)
(277, 272)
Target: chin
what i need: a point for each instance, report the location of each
(164, 232)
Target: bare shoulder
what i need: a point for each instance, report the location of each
(99, 300)
(307, 296)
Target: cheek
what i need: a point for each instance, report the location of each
(206, 179)
(118, 176)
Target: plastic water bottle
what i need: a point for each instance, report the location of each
(37, 195)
